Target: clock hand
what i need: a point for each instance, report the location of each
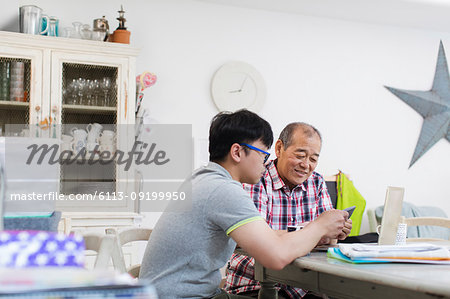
(242, 86)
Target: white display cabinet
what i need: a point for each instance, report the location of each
(51, 66)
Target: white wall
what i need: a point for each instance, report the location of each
(327, 72)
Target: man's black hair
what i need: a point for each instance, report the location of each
(241, 126)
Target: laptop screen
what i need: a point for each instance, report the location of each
(391, 215)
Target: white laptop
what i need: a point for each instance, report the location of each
(391, 215)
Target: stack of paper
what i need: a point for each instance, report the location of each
(409, 253)
(52, 282)
(15, 280)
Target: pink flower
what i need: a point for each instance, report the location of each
(146, 79)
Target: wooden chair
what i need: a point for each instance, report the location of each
(393, 207)
(104, 245)
(373, 222)
(431, 221)
(124, 237)
(330, 180)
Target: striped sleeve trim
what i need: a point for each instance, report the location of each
(242, 222)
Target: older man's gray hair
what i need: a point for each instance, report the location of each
(288, 131)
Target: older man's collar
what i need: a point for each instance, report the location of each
(273, 172)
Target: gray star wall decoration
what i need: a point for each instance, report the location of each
(433, 105)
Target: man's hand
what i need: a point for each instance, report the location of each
(324, 241)
(333, 223)
(344, 234)
(346, 230)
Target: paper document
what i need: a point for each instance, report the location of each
(408, 253)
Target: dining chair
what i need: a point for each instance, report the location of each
(430, 221)
(124, 237)
(104, 245)
(331, 182)
(373, 222)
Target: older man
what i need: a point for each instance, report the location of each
(187, 248)
(289, 194)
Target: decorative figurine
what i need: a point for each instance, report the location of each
(121, 34)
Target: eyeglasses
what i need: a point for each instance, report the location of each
(267, 155)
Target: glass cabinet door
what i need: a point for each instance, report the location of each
(20, 90)
(89, 108)
(87, 97)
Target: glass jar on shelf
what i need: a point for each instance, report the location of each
(5, 80)
(76, 30)
(53, 26)
(86, 32)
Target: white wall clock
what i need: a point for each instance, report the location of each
(238, 85)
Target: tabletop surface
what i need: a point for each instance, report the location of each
(416, 277)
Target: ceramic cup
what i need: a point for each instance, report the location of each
(93, 132)
(106, 140)
(378, 229)
(108, 133)
(90, 146)
(106, 137)
(78, 145)
(401, 234)
(78, 133)
(79, 140)
(109, 147)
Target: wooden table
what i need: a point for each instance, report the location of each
(339, 279)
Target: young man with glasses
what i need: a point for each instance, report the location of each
(187, 248)
(289, 194)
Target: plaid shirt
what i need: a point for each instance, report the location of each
(281, 208)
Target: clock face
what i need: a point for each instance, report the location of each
(238, 85)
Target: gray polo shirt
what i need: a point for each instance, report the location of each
(187, 249)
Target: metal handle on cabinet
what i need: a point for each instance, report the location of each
(126, 98)
(140, 177)
(141, 181)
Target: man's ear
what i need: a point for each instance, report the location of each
(279, 146)
(235, 152)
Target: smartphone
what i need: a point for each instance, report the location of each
(295, 228)
(350, 210)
